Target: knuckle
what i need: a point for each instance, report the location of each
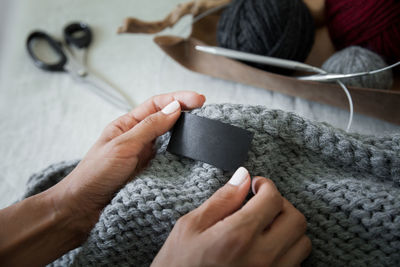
(224, 194)
(237, 241)
(307, 244)
(301, 222)
(230, 246)
(117, 148)
(209, 206)
(150, 120)
(111, 126)
(251, 220)
(269, 183)
(272, 195)
(184, 223)
(222, 198)
(269, 187)
(184, 220)
(122, 123)
(154, 101)
(154, 97)
(112, 130)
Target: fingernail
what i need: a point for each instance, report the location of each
(239, 176)
(253, 184)
(171, 107)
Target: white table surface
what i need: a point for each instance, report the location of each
(48, 117)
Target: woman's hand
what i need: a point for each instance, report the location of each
(43, 227)
(124, 147)
(266, 231)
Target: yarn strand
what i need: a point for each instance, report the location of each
(351, 109)
(349, 98)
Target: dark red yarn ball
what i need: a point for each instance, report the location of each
(373, 24)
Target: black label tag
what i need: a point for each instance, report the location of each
(222, 145)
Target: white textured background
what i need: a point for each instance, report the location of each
(47, 117)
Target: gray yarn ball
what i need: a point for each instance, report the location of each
(276, 28)
(357, 59)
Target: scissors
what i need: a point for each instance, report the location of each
(71, 58)
(322, 75)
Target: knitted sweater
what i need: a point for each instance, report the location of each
(347, 186)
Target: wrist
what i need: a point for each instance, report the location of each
(69, 211)
(38, 224)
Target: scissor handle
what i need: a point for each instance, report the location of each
(56, 46)
(78, 34)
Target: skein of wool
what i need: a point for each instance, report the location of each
(373, 24)
(357, 59)
(277, 28)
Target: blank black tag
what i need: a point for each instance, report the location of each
(222, 145)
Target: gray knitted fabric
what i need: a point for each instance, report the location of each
(346, 185)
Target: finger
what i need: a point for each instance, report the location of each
(187, 99)
(146, 155)
(287, 229)
(224, 202)
(296, 254)
(261, 209)
(150, 128)
(124, 123)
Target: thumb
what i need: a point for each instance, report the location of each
(224, 202)
(152, 126)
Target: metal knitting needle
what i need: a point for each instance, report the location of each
(287, 64)
(272, 61)
(283, 63)
(328, 77)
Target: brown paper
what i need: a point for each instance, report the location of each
(382, 104)
(196, 7)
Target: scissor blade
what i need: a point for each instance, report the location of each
(108, 93)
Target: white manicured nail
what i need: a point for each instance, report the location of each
(171, 107)
(239, 176)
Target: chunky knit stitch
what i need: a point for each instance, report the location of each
(347, 186)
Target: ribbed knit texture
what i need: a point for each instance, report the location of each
(347, 186)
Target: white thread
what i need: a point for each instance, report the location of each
(348, 95)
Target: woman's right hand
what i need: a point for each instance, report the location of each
(266, 231)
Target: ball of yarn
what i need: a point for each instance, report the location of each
(357, 59)
(373, 24)
(277, 28)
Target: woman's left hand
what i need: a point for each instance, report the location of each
(124, 147)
